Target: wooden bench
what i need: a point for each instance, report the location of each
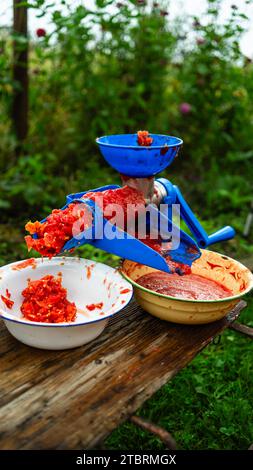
(73, 399)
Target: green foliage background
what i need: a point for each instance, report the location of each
(122, 67)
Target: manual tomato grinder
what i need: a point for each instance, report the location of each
(138, 166)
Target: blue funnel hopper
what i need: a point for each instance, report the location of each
(123, 153)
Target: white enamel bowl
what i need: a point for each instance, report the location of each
(87, 282)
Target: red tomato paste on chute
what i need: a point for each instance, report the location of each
(191, 286)
(58, 226)
(163, 248)
(56, 230)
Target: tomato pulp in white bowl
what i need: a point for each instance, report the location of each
(87, 282)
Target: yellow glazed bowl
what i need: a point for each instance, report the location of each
(211, 265)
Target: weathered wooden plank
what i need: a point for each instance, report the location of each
(73, 399)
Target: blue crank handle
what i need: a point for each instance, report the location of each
(200, 235)
(225, 233)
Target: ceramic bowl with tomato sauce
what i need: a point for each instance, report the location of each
(228, 273)
(97, 291)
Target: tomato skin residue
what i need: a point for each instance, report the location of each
(45, 300)
(92, 307)
(88, 272)
(243, 286)
(7, 299)
(212, 265)
(191, 286)
(8, 294)
(25, 264)
(124, 291)
(164, 150)
(178, 268)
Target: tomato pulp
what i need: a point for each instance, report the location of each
(190, 286)
(45, 300)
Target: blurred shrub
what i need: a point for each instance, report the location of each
(104, 73)
(31, 185)
(125, 67)
(216, 81)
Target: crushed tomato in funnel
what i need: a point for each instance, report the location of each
(45, 300)
(144, 139)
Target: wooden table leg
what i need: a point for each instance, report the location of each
(244, 329)
(160, 432)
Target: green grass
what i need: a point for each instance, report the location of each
(208, 405)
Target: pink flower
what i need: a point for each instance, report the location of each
(185, 108)
(200, 41)
(41, 32)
